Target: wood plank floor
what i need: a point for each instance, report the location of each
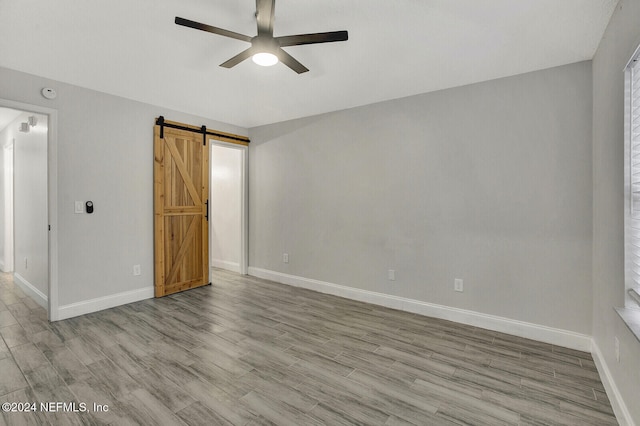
(246, 351)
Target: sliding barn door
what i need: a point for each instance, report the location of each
(181, 191)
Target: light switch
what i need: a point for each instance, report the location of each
(79, 207)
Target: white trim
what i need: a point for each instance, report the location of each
(53, 215)
(105, 302)
(636, 54)
(39, 297)
(225, 264)
(52, 196)
(617, 403)
(628, 186)
(244, 230)
(537, 332)
(634, 293)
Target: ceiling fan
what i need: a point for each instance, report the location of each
(265, 48)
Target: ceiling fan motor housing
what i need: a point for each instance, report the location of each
(267, 44)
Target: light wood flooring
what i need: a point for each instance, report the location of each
(246, 351)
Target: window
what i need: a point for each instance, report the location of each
(632, 182)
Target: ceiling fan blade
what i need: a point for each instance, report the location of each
(290, 61)
(265, 11)
(210, 29)
(238, 58)
(296, 40)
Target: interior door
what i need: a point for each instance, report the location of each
(181, 188)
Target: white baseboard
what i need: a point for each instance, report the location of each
(106, 302)
(39, 297)
(225, 264)
(617, 403)
(537, 332)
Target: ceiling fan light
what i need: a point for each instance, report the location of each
(265, 59)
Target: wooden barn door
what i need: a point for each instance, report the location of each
(181, 191)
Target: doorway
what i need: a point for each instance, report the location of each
(7, 196)
(228, 207)
(27, 133)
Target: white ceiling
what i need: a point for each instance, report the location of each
(396, 48)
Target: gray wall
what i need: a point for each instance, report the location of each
(105, 154)
(618, 44)
(490, 183)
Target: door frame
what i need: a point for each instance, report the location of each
(52, 197)
(244, 203)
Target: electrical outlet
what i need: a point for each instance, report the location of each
(391, 275)
(78, 207)
(616, 344)
(136, 270)
(285, 257)
(458, 285)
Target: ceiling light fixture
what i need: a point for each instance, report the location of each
(265, 59)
